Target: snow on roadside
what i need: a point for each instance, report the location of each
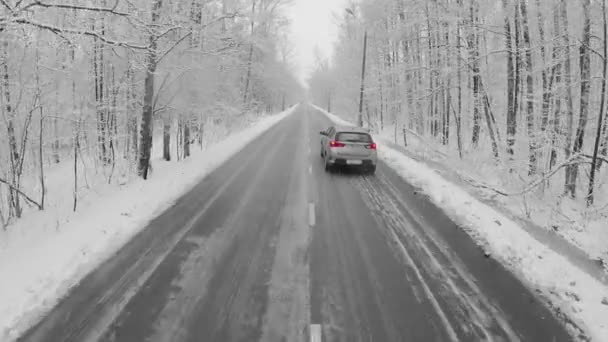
(336, 119)
(562, 220)
(43, 255)
(579, 296)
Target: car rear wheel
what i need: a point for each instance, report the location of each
(328, 167)
(371, 170)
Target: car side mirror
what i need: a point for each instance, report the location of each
(323, 133)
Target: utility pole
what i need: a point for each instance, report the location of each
(360, 120)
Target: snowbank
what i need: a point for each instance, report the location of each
(561, 220)
(46, 253)
(582, 298)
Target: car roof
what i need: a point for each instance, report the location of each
(351, 129)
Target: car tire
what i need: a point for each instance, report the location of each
(372, 170)
(328, 167)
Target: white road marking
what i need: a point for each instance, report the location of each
(315, 333)
(309, 149)
(311, 214)
(310, 170)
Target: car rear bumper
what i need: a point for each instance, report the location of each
(339, 159)
(365, 163)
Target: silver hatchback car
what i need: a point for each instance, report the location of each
(348, 147)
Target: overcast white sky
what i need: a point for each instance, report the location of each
(312, 25)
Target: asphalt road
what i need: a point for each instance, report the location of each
(270, 247)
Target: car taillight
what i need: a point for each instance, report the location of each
(371, 146)
(336, 144)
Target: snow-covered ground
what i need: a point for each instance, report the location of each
(45, 253)
(581, 297)
(545, 206)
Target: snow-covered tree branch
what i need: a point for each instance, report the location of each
(81, 75)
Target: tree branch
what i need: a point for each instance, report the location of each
(21, 193)
(111, 10)
(605, 160)
(531, 186)
(173, 47)
(230, 45)
(59, 31)
(6, 5)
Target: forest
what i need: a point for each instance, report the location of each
(88, 87)
(510, 92)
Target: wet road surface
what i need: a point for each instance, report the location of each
(270, 247)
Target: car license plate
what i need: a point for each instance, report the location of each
(354, 162)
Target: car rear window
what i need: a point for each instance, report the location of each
(354, 137)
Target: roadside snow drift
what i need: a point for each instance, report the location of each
(582, 298)
(43, 255)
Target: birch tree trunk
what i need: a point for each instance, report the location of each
(148, 110)
(167, 138)
(556, 79)
(604, 146)
(409, 85)
(14, 156)
(55, 144)
(600, 118)
(585, 65)
(511, 114)
(568, 98)
(545, 81)
(131, 116)
(76, 149)
(186, 138)
(98, 70)
(448, 86)
(479, 93)
(458, 113)
(40, 130)
(604, 143)
(604, 151)
(472, 40)
(530, 90)
(518, 86)
(418, 57)
(429, 57)
(250, 58)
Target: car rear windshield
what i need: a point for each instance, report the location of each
(354, 137)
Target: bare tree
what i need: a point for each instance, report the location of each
(472, 42)
(145, 141)
(250, 58)
(600, 117)
(544, 78)
(585, 65)
(101, 58)
(530, 89)
(480, 95)
(556, 79)
(166, 137)
(569, 124)
(511, 105)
